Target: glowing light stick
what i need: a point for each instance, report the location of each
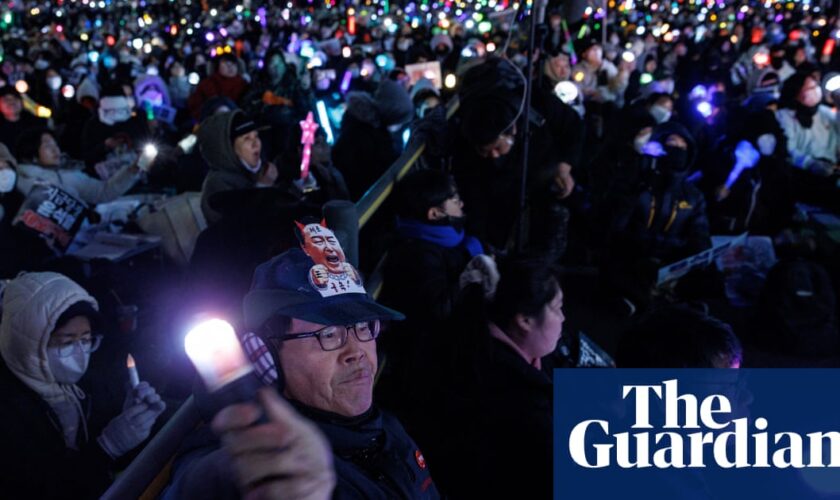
(324, 118)
(566, 91)
(215, 351)
(345, 81)
(307, 138)
(746, 157)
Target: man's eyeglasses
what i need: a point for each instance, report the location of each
(334, 337)
(87, 345)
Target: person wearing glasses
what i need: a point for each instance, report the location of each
(51, 448)
(321, 332)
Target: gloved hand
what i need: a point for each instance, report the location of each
(483, 271)
(131, 427)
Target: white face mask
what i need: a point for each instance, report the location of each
(70, 369)
(54, 82)
(766, 144)
(8, 177)
(660, 113)
(640, 141)
(813, 97)
(114, 110)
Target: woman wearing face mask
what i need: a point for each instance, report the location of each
(278, 92)
(115, 128)
(179, 85)
(41, 163)
(10, 199)
(52, 450)
(811, 128)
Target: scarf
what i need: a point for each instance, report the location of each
(805, 114)
(445, 236)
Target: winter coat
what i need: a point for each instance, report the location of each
(95, 133)
(10, 131)
(216, 85)
(494, 437)
(77, 183)
(364, 150)
(820, 141)
(36, 463)
(226, 170)
(667, 222)
(563, 122)
(373, 457)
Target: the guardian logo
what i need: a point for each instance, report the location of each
(695, 433)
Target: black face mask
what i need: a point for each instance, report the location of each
(777, 62)
(675, 161)
(805, 114)
(458, 223)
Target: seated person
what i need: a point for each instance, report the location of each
(115, 129)
(679, 337)
(231, 145)
(14, 119)
(41, 163)
(50, 448)
(422, 270)
(660, 223)
(309, 306)
(811, 128)
(10, 199)
(488, 432)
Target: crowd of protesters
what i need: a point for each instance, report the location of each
(654, 135)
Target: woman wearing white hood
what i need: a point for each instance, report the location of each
(46, 340)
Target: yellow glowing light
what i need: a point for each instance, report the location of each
(579, 76)
(450, 81)
(43, 112)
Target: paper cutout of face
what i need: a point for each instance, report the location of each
(332, 274)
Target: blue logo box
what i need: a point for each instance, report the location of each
(696, 434)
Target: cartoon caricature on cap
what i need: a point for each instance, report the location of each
(331, 274)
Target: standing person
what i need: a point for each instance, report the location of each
(47, 335)
(231, 145)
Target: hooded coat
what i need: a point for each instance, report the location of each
(364, 150)
(226, 170)
(36, 462)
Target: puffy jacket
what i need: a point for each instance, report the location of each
(77, 183)
(820, 141)
(35, 461)
(226, 170)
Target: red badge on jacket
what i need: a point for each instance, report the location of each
(420, 460)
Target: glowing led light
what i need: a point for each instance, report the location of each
(137, 43)
(579, 76)
(566, 91)
(193, 78)
(215, 351)
(346, 52)
(491, 47)
(450, 81)
(833, 83)
(704, 108)
(628, 56)
(68, 91)
(21, 86)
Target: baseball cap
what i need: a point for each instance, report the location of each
(241, 125)
(313, 283)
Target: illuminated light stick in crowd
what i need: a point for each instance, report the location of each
(214, 349)
(345, 81)
(324, 118)
(746, 157)
(133, 376)
(351, 21)
(828, 48)
(307, 138)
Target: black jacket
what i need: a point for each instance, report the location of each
(35, 461)
(373, 456)
(490, 436)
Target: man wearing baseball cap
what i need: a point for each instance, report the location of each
(310, 308)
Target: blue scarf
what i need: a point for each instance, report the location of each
(445, 236)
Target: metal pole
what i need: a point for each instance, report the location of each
(537, 10)
(134, 480)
